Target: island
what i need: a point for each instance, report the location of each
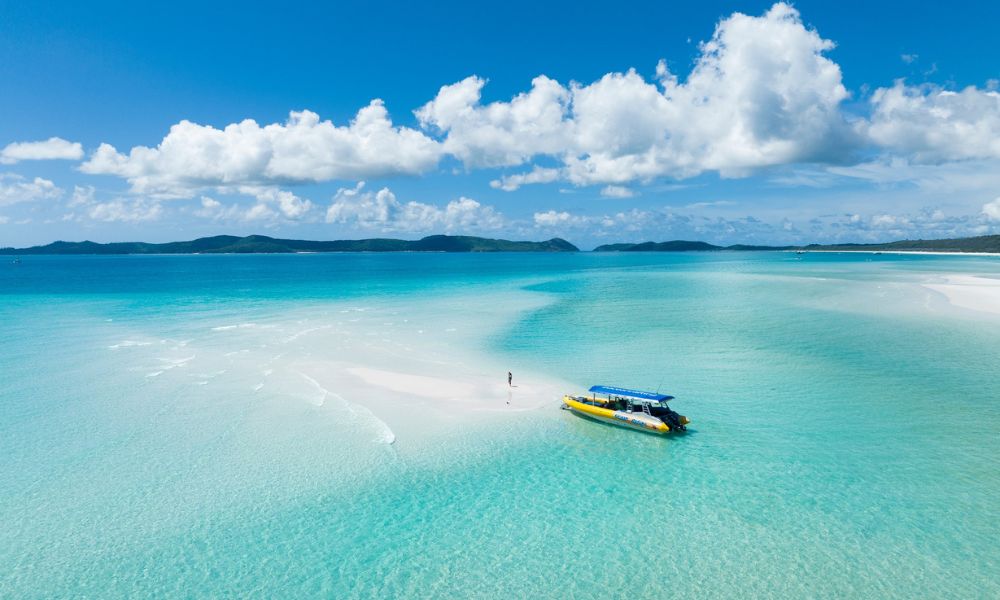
(982, 244)
(262, 244)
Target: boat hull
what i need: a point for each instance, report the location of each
(633, 420)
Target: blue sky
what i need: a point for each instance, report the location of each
(747, 122)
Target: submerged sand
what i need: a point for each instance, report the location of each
(404, 373)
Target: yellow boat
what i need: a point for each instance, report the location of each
(645, 411)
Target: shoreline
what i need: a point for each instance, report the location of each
(924, 252)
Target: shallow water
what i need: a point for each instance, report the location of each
(179, 426)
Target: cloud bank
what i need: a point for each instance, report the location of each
(381, 211)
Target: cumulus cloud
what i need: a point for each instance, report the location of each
(82, 196)
(929, 124)
(382, 211)
(560, 219)
(761, 93)
(51, 149)
(658, 224)
(666, 223)
(617, 191)
(991, 210)
(125, 211)
(15, 188)
(288, 204)
(210, 208)
(501, 133)
(509, 183)
(272, 206)
(303, 149)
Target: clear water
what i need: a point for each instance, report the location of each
(844, 439)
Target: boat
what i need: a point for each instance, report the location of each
(635, 409)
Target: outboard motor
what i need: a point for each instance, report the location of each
(674, 420)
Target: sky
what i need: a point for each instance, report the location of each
(728, 122)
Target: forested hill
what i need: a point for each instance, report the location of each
(985, 243)
(228, 244)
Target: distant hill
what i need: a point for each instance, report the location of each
(983, 243)
(228, 244)
(671, 246)
(986, 243)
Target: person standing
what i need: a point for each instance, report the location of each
(510, 379)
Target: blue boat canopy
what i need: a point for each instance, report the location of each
(617, 391)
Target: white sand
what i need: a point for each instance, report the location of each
(404, 372)
(971, 292)
(418, 407)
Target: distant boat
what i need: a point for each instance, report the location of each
(800, 251)
(16, 261)
(645, 411)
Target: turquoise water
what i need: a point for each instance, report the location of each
(844, 438)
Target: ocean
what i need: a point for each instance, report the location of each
(340, 425)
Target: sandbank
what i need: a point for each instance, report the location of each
(970, 292)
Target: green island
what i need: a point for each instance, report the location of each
(261, 244)
(984, 243)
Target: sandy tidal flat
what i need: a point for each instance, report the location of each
(970, 291)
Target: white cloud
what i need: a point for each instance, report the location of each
(382, 211)
(909, 58)
(760, 94)
(509, 183)
(272, 205)
(15, 189)
(556, 219)
(125, 211)
(710, 204)
(890, 222)
(991, 210)
(82, 196)
(289, 205)
(303, 149)
(50, 149)
(928, 223)
(929, 124)
(210, 208)
(501, 133)
(259, 212)
(617, 191)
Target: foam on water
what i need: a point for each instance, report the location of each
(128, 344)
